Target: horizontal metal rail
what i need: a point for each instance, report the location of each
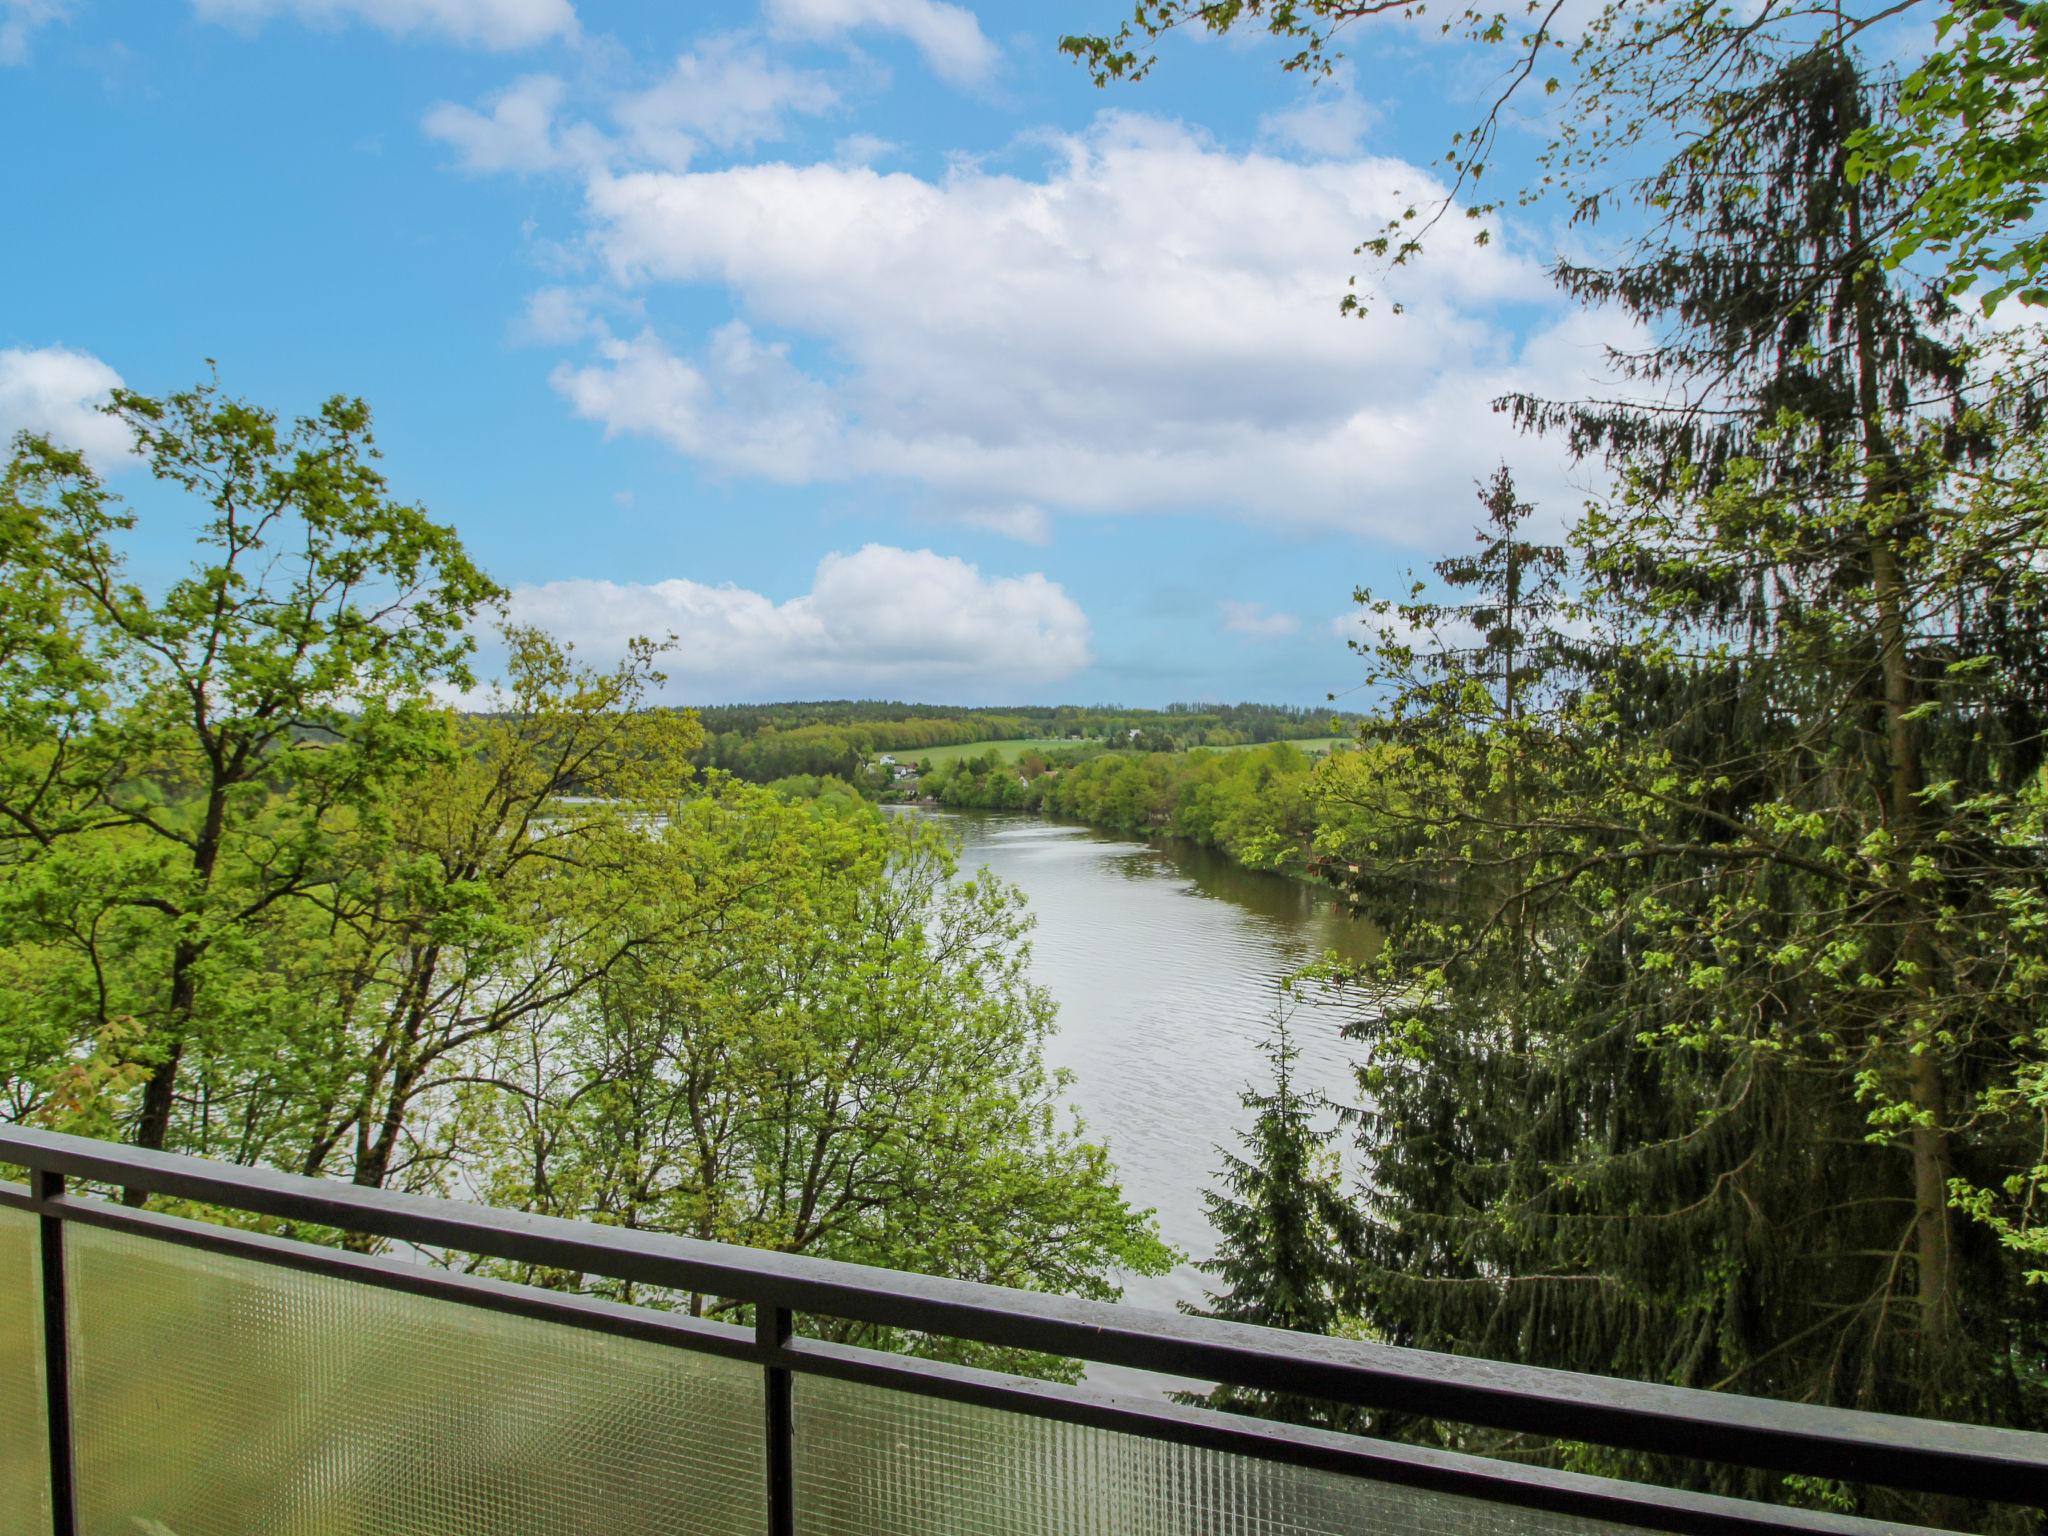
(1388, 1462)
(1923, 1455)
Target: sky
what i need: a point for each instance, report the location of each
(864, 346)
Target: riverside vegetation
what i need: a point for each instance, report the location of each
(1708, 1043)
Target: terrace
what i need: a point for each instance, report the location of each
(168, 1377)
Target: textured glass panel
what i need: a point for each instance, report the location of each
(24, 1446)
(221, 1397)
(872, 1462)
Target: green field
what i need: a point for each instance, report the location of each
(938, 757)
(1314, 746)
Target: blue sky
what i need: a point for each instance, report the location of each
(863, 345)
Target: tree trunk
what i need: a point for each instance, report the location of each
(1929, 1141)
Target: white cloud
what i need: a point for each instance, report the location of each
(58, 392)
(557, 317)
(948, 36)
(519, 133)
(863, 149)
(20, 19)
(1331, 120)
(1252, 619)
(724, 91)
(879, 620)
(744, 408)
(495, 24)
(1023, 522)
(1149, 325)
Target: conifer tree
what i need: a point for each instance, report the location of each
(1288, 1235)
(1716, 1056)
(1680, 1070)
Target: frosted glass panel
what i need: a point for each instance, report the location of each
(222, 1397)
(24, 1443)
(872, 1462)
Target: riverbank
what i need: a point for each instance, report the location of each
(1166, 961)
(1256, 805)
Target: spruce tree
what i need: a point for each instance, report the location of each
(1676, 1068)
(1287, 1234)
(1707, 1042)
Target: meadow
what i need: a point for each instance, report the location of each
(1010, 751)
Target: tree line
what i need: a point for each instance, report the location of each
(762, 743)
(1260, 805)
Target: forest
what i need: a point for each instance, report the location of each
(1706, 822)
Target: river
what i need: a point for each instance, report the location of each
(1165, 959)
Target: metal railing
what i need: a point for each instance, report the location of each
(1968, 1461)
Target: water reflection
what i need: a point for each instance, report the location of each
(1166, 961)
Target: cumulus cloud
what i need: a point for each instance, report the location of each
(1253, 619)
(1023, 522)
(494, 24)
(743, 406)
(878, 620)
(57, 392)
(725, 92)
(562, 316)
(519, 132)
(1148, 325)
(863, 149)
(948, 36)
(20, 19)
(1331, 120)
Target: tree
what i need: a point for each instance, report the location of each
(270, 902)
(1688, 1066)
(1288, 1237)
(844, 1060)
(203, 747)
(503, 884)
(1972, 132)
(1701, 1109)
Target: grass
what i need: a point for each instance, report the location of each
(938, 757)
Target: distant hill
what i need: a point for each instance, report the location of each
(840, 737)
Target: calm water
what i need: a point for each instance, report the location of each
(1165, 960)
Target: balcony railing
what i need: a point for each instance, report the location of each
(168, 1377)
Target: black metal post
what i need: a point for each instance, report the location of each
(56, 1361)
(1975, 1461)
(771, 1330)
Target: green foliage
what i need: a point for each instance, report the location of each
(179, 765)
(832, 1047)
(1706, 1044)
(1253, 803)
(1289, 1237)
(1713, 970)
(762, 743)
(1972, 134)
(266, 900)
